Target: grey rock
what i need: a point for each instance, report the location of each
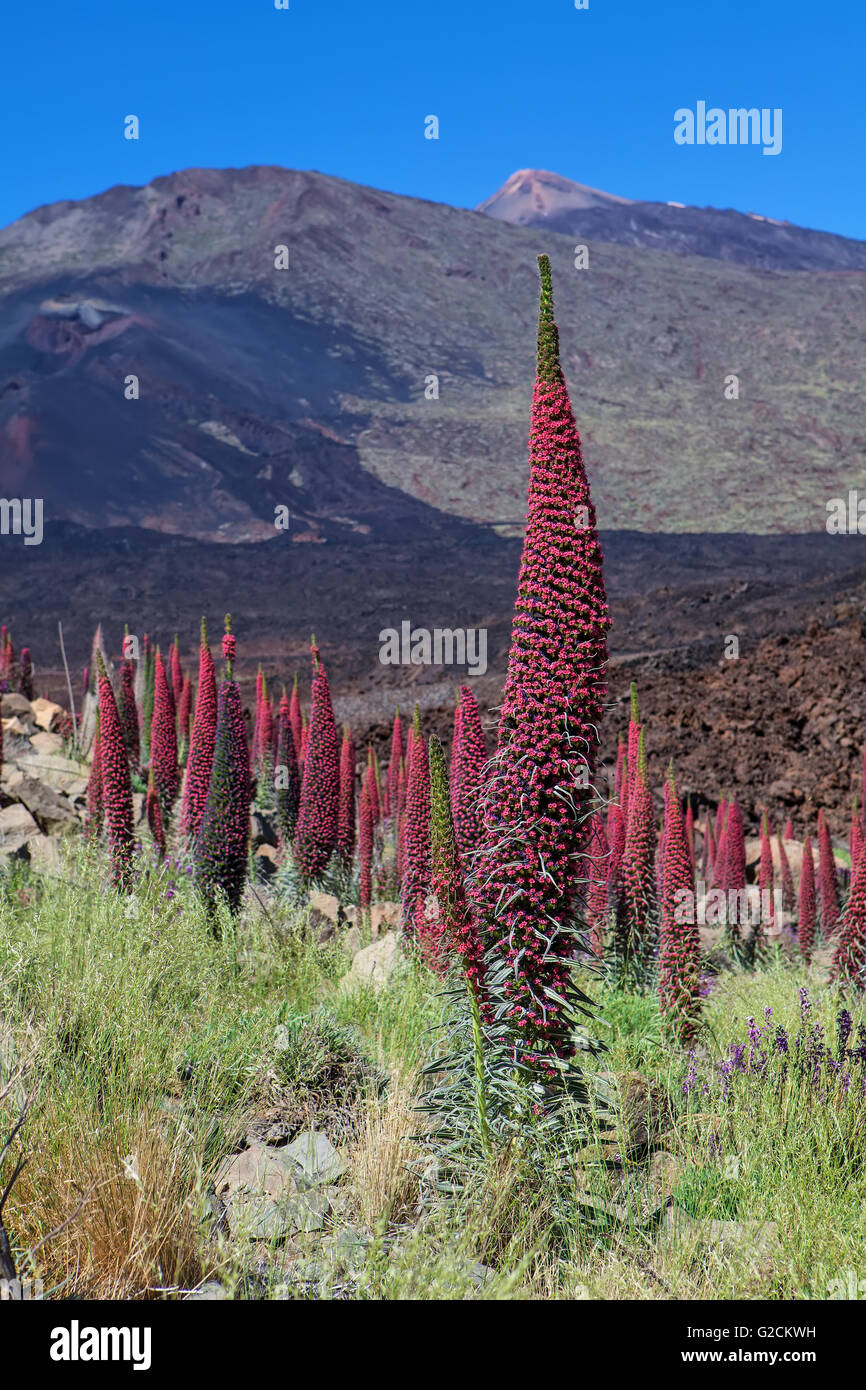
(51, 810)
(316, 1156)
(17, 826)
(13, 704)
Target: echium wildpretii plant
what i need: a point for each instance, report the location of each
(679, 970)
(200, 761)
(221, 847)
(527, 880)
(634, 938)
(116, 784)
(318, 815)
(287, 777)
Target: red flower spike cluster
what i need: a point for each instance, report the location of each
(163, 743)
(638, 878)
(468, 775)
(394, 767)
(766, 878)
(176, 674)
(849, 960)
(416, 867)
(365, 845)
(116, 786)
(95, 811)
(452, 929)
(346, 813)
(597, 895)
(827, 878)
(288, 795)
(316, 832)
(295, 717)
(538, 795)
(200, 760)
(735, 862)
(679, 945)
(128, 714)
(183, 713)
(808, 914)
(221, 847)
(154, 815)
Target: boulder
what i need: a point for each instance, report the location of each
(46, 743)
(18, 726)
(374, 964)
(44, 855)
(17, 827)
(13, 704)
(319, 1161)
(326, 904)
(46, 713)
(385, 915)
(51, 810)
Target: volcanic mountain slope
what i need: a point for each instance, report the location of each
(537, 198)
(158, 370)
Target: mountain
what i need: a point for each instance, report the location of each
(314, 388)
(537, 198)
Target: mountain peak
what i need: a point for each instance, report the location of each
(530, 196)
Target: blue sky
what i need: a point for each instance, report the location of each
(343, 86)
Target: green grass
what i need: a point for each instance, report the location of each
(149, 1046)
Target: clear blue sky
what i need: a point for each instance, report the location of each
(343, 86)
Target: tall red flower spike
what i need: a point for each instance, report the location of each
(468, 777)
(765, 878)
(735, 865)
(394, 766)
(116, 786)
(199, 764)
(176, 673)
(789, 829)
(599, 871)
(789, 897)
(163, 743)
(679, 944)
(454, 767)
(365, 844)
(849, 959)
(221, 848)
(634, 731)
(183, 712)
(346, 814)
(452, 929)
(295, 717)
(690, 834)
(808, 916)
(416, 867)
(638, 878)
(288, 776)
(128, 713)
(828, 879)
(154, 815)
(375, 807)
(619, 776)
(316, 833)
(539, 794)
(260, 686)
(95, 809)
